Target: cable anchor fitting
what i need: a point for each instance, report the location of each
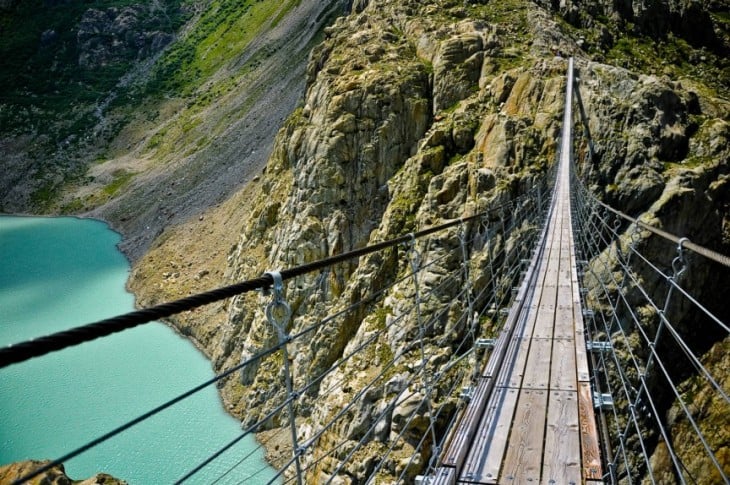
(278, 311)
(679, 264)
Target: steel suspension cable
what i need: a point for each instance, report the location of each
(643, 384)
(37, 347)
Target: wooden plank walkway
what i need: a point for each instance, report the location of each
(532, 418)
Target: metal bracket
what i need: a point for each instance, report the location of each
(597, 346)
(485, 343)
(602, 401)
(467, 393)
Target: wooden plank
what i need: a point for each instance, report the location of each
(537, 370)
(485, 458)
(459, 443)
(544, 324)
(581, 359)
(562, 458)
(564, 327)
(590, 451)
(581, 355)
(525, 445)
(562, 365)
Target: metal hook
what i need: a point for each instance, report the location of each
(679, 265)
(413, 255)
(278, 311)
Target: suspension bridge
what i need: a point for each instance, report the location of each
(560, 387)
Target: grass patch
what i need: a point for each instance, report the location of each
(121, 179)
(223, 31)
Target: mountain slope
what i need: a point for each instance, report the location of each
(417, 112)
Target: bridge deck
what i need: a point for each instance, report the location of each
(531, 419)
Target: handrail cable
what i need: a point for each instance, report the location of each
(593, 218)
(37, 347)
(662, 316)
(302, 390)
(672, 281)
(352, 353)
(679, 241)
(196, 300)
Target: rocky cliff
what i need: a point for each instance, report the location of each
(416, 112)
(410, 112)
(54, 476)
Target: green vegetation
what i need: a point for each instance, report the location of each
(225, 28)
(671, 56)
(41, 77)
(121, 180)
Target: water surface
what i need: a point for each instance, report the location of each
(58, 273)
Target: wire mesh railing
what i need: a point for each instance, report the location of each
(657, 385)
(451, 311)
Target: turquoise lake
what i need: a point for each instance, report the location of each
(59, 273)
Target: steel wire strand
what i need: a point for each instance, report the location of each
(339, 415)
(411, 417)
(425, 433)
(673, 282)
(697, 364)
(310, 385)
(676, 461)
(396, 320)
(587, 241)
(439, 375)
(235, 440)
(602, 359)
(614, 413)
(623, 381)
(406, 350)
(369, 299)
(678, 339)
(680, 241)
(319, 378)
(37, 347)
(343, 442)
(260, 445)
(361, 347)
(451, 363)
(455, 384)
(622, 373)
(676, 392)
(148, 414)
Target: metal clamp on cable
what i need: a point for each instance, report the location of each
(679, 265)
(278, 311)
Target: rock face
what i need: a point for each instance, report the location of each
(119, 34)
(417, 112)
(54, 476)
